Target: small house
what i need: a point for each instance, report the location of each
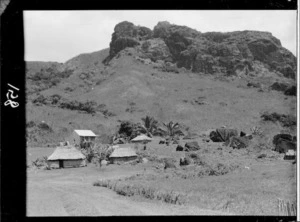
(122, 155)
(141, 139)
(81, 137)
(66, 156)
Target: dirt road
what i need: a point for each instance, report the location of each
(70, 192)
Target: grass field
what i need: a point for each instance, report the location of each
(253, 191)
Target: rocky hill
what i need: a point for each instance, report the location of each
(202, 80)
(230, 53)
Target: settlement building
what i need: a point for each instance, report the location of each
(80, 137)
(66, 156)
(122, 155)
(290, 155)
(141, 138)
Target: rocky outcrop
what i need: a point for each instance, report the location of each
(231, 53)
(156, 49)
(126, 34)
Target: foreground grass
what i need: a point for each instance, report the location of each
(126, 189)
(253, 191)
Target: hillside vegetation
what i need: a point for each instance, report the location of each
(173, 73)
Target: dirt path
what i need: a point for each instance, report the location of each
(76, 196)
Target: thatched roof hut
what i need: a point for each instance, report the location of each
(66, 156)
(122, 155)
(141, 138)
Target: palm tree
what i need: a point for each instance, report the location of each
(171, 129)
(149, 126)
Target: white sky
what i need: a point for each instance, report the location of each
(61, 35)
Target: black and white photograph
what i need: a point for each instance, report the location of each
(159, 112)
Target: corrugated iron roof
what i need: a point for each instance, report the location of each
(85, 132)
(66, 153)
(123, 152)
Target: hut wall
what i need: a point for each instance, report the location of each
(53, 163)
(122, 159)
(73, 163)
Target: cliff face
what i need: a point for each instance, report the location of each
(126, 34)
(229, 53)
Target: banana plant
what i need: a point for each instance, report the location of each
(149, 126)
(171, 129)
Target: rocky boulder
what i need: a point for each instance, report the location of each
(169, 163)
(179, 148)
(191, 146)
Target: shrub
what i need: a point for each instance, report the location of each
(291, 91)
(88, 106)
(45, 126)
(30, 124)
(55, 99)
(69, 89)
(285, 120)
(54, 81)
(40, 162)
(40, 99)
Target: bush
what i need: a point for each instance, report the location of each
(285, 120)
(40, 99)
(69, 89)
(40, 162)
(170, 68)
(55, 99)
(128, 129)
(46, 78)
(291, 91)
(45, 126)
(30, 124)
(88, 106)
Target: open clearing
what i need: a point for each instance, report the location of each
(70, 192)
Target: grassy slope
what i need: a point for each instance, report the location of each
(169, 96)
(166, 96)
